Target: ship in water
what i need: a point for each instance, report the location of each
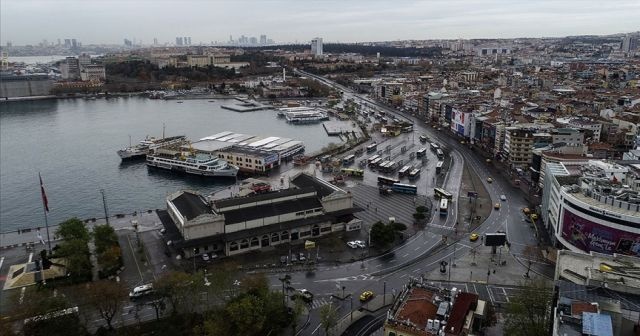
(190, 162)
(303, 115)
(147, 145)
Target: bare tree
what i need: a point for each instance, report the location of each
(328, 317)
(107, 297)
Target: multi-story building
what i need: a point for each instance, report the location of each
(93, 72)
(84, 59)
(518, 143)
(70, 68)
(308, 209)
(593, 127)
(423, 310)
(591, 208)
(263, 39)
(316, 46)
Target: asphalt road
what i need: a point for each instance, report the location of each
(424, 251)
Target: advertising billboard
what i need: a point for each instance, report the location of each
(589, 236)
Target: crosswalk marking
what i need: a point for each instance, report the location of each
(317, 303)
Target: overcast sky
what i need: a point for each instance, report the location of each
(110, 21)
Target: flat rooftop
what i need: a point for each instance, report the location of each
(270, 143)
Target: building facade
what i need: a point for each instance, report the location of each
(316, 46)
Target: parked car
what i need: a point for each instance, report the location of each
(205, 257)
(503, 197)
(302, 257)
(360, 243)
(366, 296)
(352, 245)
(496, 206)
(283, 259)
(489, 179)
(294, 258)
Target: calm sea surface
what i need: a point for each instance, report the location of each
(73, 143)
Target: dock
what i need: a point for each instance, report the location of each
(339, 127)
(246, 105)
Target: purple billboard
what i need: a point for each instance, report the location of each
(589, 236)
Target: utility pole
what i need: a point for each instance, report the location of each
(384, 293)
(104, 205)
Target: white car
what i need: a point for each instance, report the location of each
(205, 257)
(503, 197)
(360, 243)
(141, 291)
(352, 245)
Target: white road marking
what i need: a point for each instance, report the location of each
(405, 255)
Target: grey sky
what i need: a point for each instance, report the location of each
(109, 21)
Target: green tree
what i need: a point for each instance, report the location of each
(247, 315)
(76, 253)
(38, 302)
(72, 229)
(107, 298)
(105, 237)
(296, 311)
(179, 289)
(382, 235)
(328, 317)
(529, 312)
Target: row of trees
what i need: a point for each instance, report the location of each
(74, 249)
(147, 72)
(107, 249)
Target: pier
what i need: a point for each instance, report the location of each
(246, 105)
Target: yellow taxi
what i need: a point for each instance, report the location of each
(473, 237)
(534, 216)
(496, 206)
(526, 211)
(366, 296)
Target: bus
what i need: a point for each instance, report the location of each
(444, 205)
(352, 172)
(414, 174)
(405, 188)
(349, 159)
(390, 167)
(375, 162)
(421, 152)
(387, 181)
(439, 167)
(407, 129)
(440, 154)
(52, 315)
(423, 138)
(442, 194)
(434, 146)
(372, 147)
(369, 160)
(404, 171)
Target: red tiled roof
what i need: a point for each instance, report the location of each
(461, 306)
(418, 308)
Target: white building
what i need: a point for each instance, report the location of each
(316, 46)
(591, 208)
(461, 123)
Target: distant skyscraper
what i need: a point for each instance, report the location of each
(253, 41)
(128, 43)
(74, 43)
(155, 41)
(59, 42)
(67, 43)
(629, 43)
(263, 39)
(178, 41)
(316, 46)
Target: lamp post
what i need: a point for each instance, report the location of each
(384, 293)
(194, 261)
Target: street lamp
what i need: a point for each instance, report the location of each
(194, 261)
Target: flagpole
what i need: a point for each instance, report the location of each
(44, 210)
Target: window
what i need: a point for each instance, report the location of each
(196, 250)
(233, 246)
(325, 229)
(244, 244)
(284, 235)
(255, 242)
(301, 213)
(206, 247)
(318, 210)
(305, 233)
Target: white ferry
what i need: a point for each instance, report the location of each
(196, 164)
(147, 145)
(305, 117)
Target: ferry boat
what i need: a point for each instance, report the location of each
(149, 144)
(196, 164)
(305, 117)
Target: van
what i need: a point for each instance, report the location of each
(141, 291)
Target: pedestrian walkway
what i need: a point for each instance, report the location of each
(319, 302)
(94, 260)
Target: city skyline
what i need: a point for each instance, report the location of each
(355, 21)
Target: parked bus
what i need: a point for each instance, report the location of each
(404, 171)
(414, 174)
(390, 167)
(407, 129)
(387, 181)
(442, 194)
(352, 172)
(52, 315)
(405, 188)
(421, 152)
(440, 154)
(369, 160)
(375, 162)
(382, 165)
(439, 167)
(444, 205)
(349, 159)
(423, 138)
(434, 146)
(372, 147)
